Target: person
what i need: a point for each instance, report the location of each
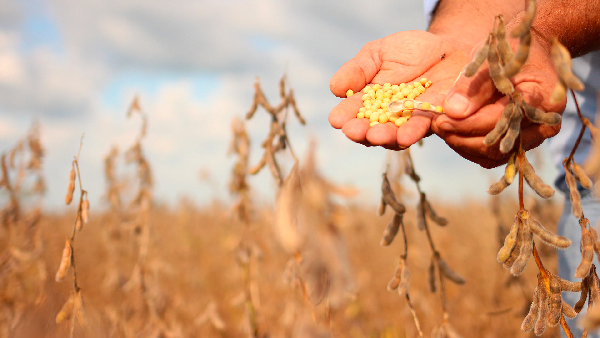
(472, 105)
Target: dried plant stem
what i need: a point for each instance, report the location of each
(414, 315)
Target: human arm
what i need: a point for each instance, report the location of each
(405, 56)
(463, 127)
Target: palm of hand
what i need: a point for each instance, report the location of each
(397, 58)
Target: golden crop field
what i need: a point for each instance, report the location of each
(309, 266)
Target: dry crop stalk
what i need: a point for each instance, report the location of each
(132, 214)
(22, 265)
(277, 140)
(246, 251)
(401, 276)
(306, 224)
(73, 308)
(518, 245)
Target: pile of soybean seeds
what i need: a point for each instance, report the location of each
(378, 107)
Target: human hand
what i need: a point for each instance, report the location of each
(473, 106)
(400, 57)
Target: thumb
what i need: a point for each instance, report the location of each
(469, 94)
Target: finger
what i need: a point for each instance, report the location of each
(382, 134)
(358, 72)
(345, 111)
(413, 130)
(356, 130)
(469, 94)
(478, 124)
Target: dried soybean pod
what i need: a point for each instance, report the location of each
(501, 81)
(510, 169)
(85, 210)
(66, 311)
(536, 183)
(71, 188)
(388, 196)
(431, 275)
(514, 128)
(449, 273)
(581, 176)
(566, 285)
(562, 62)
(391, 230)
(559, 93)
(525, 25)
(584, 294)
(509, 242)
(382, 206)
(482, 53)
(65, 261)
(587, 253)
(441, 221)
(573, 192)
(395, 281)
(540, 325)
(518, 60)
(78, 309)
(421, 222)
(404, 280)
(508, 263)
(498, 187)
(539, 116)
(555, 302)
(524, 254)
(568, 310)
(531, 317)
(547, 236)
(501, 126)
(504, 48)
(596, 242)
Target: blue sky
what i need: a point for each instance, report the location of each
(76, 65)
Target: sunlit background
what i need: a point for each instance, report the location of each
(75, 66)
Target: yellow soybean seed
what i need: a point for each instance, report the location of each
(349, 93)
(393, 118)
(405, 91)
(395, 87)
(388, 94)
(368, 113)
(411, 96)
(416, 83)
(409, 104)
(365, 97)
(383, 118)
(410, 87)
(384, 105)
(376, 105)
(400, 121)
(439, 109)
(386, 100)
(407, 113)
(371, 92)
(362, 110)
(376, 86)
(387, 86)
(360, 115)
(423, 81)
(366, 89)
(374, 117)
(374, 123)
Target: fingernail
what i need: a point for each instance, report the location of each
(445, 126)
(456, 104)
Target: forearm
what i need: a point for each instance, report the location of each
(471, 21)
(576, 23)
